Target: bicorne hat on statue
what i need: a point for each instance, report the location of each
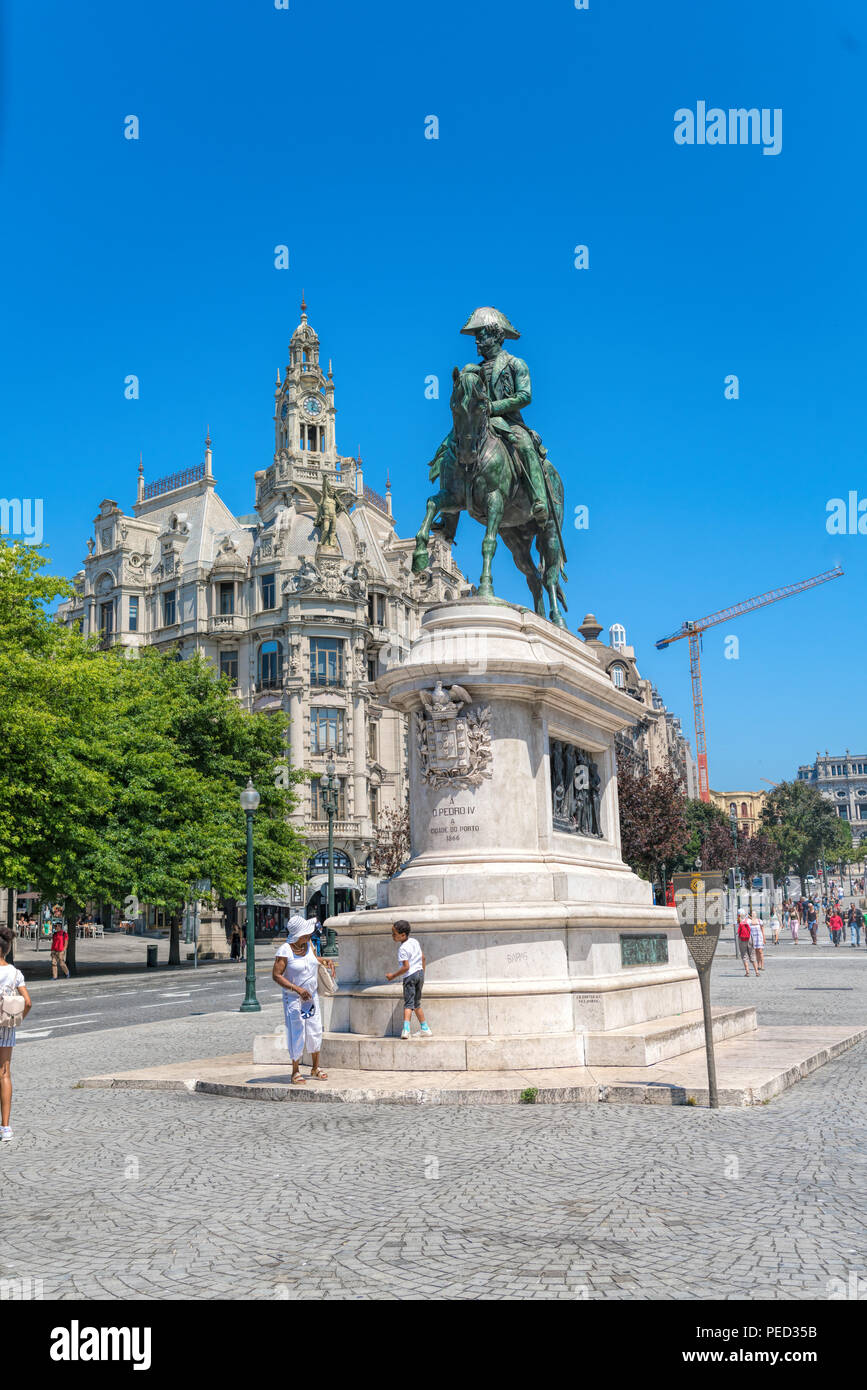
(489, 317)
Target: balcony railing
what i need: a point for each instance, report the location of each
(269, 683)
(225, 623)
(347, 828)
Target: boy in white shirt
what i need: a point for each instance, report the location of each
(411, 970)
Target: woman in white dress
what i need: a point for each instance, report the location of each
(11, 982)
(296, 970)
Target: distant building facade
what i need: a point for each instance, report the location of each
(842, 780)
(657, 741)
(743, 807)
(295, 625)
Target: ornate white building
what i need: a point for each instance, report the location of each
(294, 625)
(657, 740)
(842, 780)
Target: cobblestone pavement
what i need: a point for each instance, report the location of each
(163, 1195)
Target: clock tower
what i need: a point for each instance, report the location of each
(304, 408)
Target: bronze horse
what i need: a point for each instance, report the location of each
(485, 479)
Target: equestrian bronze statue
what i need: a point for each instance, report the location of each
(497, 469)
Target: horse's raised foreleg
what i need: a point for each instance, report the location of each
(495, 508)
(420, 557)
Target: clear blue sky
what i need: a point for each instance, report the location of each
(306, 127)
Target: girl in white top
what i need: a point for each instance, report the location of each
(296, 970)
(11, 982)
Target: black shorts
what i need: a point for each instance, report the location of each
(412, 988)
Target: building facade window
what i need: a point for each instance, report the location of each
(326, 730)
(169, 608)
(373, 741)
(317, 803)
(618, 676)
(106, 620)
(270, 664)
(229, 666)
(376, 610)
(133, 614)
(318, 863)
(745, 814)
(371, 668)
(227, 600)
(269, 591)
(326, 661)
(374, 805)
(617, 636)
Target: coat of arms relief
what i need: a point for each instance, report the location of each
(454, 742)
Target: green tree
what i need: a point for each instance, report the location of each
(178, 750)
(709, 837)
(122, 774)
(805, 827)
(53, 794)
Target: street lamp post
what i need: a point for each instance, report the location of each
(329, 789)
(734, 824)
(249, 805)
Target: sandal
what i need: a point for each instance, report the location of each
(319, 1075)
(298, 1080)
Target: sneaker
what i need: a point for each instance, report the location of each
(405, 1033)
(425, 1031)
(5, 1133)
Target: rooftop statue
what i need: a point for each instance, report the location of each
(492, 465)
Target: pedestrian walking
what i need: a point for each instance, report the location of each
(12, 990)
(794, 922)
(296, 971)
(411, 970)
(745, 945)
(775, 926)
(857, 924)
(813, 922)
(757, 936)
(59, 943)
(235, 945)
(836, 926)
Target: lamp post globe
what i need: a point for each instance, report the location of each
(250, 799)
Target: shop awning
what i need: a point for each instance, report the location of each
(321, 881)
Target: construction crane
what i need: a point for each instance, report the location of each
(694, 630)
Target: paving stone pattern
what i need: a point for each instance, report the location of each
(144, 1195)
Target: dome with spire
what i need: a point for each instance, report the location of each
(304, 343)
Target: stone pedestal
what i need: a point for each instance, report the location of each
(538, 937)
(212, 935)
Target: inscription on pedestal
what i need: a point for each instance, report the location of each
(644, 950)
(454, 825)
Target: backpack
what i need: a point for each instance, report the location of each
(744, 932)
(11, 1004)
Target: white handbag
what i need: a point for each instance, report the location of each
(326, 983)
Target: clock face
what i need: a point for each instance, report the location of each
(312, 406)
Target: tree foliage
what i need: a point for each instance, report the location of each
(805, 827)
(123, 774)
(392, 847)
(653, 828)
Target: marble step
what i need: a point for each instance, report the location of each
(641, 1044)
(644, 1044)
